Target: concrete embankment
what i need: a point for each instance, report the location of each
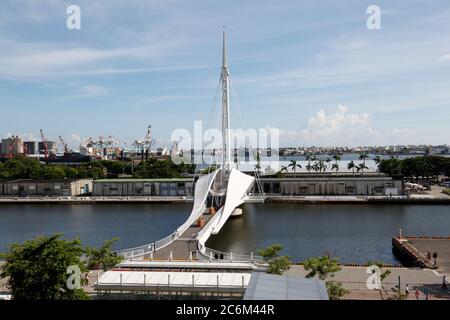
(357, 199)
(417, 251)
(274, 199)
(93, 200)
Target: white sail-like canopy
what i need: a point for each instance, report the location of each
(202, 188)
(238, 185)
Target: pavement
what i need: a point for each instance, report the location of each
(355, 280)
(441, 246)
(436, 192)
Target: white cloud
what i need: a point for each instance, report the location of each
(94, 90)
(333, 129)
(445, 57)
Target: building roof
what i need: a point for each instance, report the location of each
(160, 279)
(263, 286)
(144, 180)
(44, 180)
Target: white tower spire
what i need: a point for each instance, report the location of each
(225, 78)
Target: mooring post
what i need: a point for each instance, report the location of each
(151, 256)
(168, 280)
(210, 256)
(217, 280)
(190, 255)
(121, 279)
(98, 278)
(243, 281)
(193, 281)
(251, 256)
(170, 256)
(231, 256)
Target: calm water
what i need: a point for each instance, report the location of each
(354, 233)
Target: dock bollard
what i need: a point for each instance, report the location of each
(98, 278)
(217, 281)
(251, 256)
(170, 256)
(193, 281)
(168, 280)
(145, 279)
(121, 279)
(231, 256)
(210, 256)
(151, 256)
(243, 281)
(190, 256)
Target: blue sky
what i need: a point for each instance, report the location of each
(309, 68)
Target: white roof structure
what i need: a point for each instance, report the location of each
(147, 280)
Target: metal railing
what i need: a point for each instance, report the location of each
(216, 255)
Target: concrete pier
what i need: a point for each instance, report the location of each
(418, 251)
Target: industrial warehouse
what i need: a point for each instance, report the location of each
(370, 185)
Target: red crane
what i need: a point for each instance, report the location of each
(66, 148)
(9, 154)
(44, 142)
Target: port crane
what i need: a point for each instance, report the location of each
(146, 143)
(66, 147)
(9, 154)
(44, 142)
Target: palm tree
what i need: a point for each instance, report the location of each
(363, 156)
(294, 165)
(335, 166)
(361, 168)
(284, 168)
(351, 166)
(336, 158)
(377, 161)
(328, 160)
(309, 157)
(321, 166)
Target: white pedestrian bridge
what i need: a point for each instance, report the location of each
(188, 241)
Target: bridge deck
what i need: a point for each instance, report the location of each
(181, 247)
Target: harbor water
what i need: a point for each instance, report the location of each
(352, 232)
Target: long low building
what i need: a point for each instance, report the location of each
(367, 185)
(143, 187)
(304, 185)
(45, 187)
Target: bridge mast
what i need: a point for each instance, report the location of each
(226, 141)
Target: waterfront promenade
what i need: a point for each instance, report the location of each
(428, 198)
(354, 279)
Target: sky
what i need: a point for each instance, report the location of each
(311, 69)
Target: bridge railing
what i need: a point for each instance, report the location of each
(216, 255)
(136, 251)
(165, 241)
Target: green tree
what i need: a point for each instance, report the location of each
(335, 290)
(377, 161)
(294, 165)
(324, 268)
(277, 264)
(37, 269)
(103, 257)
(361, 167)
(335, 166)
(351, 166)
